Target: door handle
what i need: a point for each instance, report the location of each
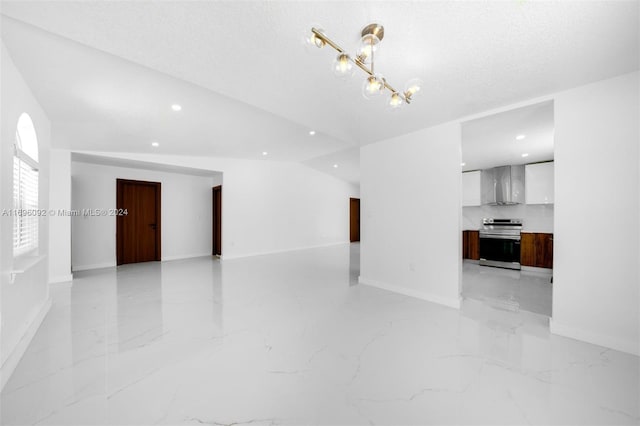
(153, 226)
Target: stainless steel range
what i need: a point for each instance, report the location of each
(500, 243)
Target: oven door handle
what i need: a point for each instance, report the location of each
(499, 237)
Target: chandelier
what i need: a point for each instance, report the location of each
(374, 84)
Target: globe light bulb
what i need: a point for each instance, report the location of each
(395, 101)
(313, 41)
(373, 86)
(317, 41)
(368, 45)
(343, 66)
(412, 87)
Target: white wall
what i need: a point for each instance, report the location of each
(596, 295)
(186, 213)
(596, 277)
(536, 217)
(410, 218)
(271, 206)
(60, 225)
(25, 302)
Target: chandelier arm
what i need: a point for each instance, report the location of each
(358, 62)
(327, 40)
(392, 90)
(362, 66)
(372, 59)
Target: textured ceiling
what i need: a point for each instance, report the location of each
(473, 56)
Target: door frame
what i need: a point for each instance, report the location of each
(120, 183)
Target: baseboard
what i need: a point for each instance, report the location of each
(595, 338)
(538, 271)
(263, 253)
(451, 303)
(62, 279)
(113, 264)
(16, 354)
(76, 268)
(185, 256)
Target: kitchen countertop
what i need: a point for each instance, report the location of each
(524, 231)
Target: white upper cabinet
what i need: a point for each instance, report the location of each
(539, 183)
(471, 188)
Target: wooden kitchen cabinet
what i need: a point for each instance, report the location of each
(544, 250)
(539, 178)
(471, 245)
(474, 245)
(527, 249)
(536, 249)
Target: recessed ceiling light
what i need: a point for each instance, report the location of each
(264, 153)
(176, 107)
(525, 155)
(335, 166)
(312, 132)
(463, 164)
(155, 144)
(520, 137)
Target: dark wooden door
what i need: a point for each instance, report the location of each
(354, 219)
(217, 220)
(137, 231)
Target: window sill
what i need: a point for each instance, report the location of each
(22, 264)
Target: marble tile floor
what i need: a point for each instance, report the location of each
(507, 288)
(289, 339)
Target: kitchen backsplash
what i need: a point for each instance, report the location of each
(535, 218)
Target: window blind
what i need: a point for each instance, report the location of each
(25, 204)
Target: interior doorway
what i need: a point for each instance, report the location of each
(354, 219)
(217, 220)
(507, 209)
(138, 227)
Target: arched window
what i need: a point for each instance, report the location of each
(25, 187)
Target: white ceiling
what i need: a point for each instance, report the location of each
(106, 72)
(491, 141)
(101, 102)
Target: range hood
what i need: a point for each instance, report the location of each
(503, 186)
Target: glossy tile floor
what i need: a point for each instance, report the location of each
(507, 289)
(291, 339)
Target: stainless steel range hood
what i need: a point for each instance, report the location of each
(503, 186)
